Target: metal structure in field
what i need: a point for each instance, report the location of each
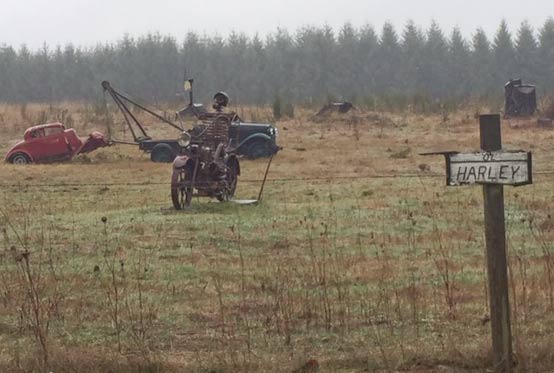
(205, 162)
(520, 99)
(206, 167)
(163, 150)
(254, 140)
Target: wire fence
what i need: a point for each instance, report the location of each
(269, 180)
(354, 261)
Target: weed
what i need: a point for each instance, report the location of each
(340, 263)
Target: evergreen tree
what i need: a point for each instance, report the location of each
(545, 67)
(310, 66)
(388, 62)
(348, 68)
(127, 76)
(192, 65)
(86, 84)
(25, 81)
(413, 45)
(282, 70)
(43, 77)
(316, 63)
(8, 74)
(434, 72)
(504, 56)
(256, 82)
(481, 64)
(366, 55)
(526, 52)
(235, 50)
(102, 65)
(459, 72)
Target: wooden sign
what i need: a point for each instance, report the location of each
(495, 167)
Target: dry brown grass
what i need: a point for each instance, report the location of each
(373, 274)
(548, 111)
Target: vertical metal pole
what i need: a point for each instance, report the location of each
(265, 178)
(497, 268)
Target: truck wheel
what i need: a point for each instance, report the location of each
(162, 153)
(20, 158)
(258, 149)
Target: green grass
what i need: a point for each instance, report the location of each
(309, 261)
(350, 272)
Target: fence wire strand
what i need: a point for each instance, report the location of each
(271, 180)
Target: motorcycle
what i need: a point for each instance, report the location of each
(206, 167)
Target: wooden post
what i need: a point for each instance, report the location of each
(497, 268)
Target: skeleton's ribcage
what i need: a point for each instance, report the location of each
(216, 133)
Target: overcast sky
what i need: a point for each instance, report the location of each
(87, 22)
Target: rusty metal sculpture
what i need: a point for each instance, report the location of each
(207, 166)
(253, 140)
(520, 99)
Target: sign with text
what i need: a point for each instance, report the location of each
(497, 167)
(494, 168)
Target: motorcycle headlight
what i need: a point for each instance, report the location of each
(184, 140)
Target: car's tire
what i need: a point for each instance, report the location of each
(258, 149)
(20, 158)
(162, 153)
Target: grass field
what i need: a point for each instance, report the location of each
(359, 258)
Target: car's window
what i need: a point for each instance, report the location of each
(37, 133)
(52, 131)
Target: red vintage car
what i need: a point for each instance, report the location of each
(52, 143)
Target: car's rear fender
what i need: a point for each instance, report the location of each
(15, 150)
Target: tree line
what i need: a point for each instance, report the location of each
(309, 66)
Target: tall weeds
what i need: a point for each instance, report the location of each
(32, 292)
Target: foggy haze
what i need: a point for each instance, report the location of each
(88, 22)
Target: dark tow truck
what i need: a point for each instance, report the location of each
(253, 140)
